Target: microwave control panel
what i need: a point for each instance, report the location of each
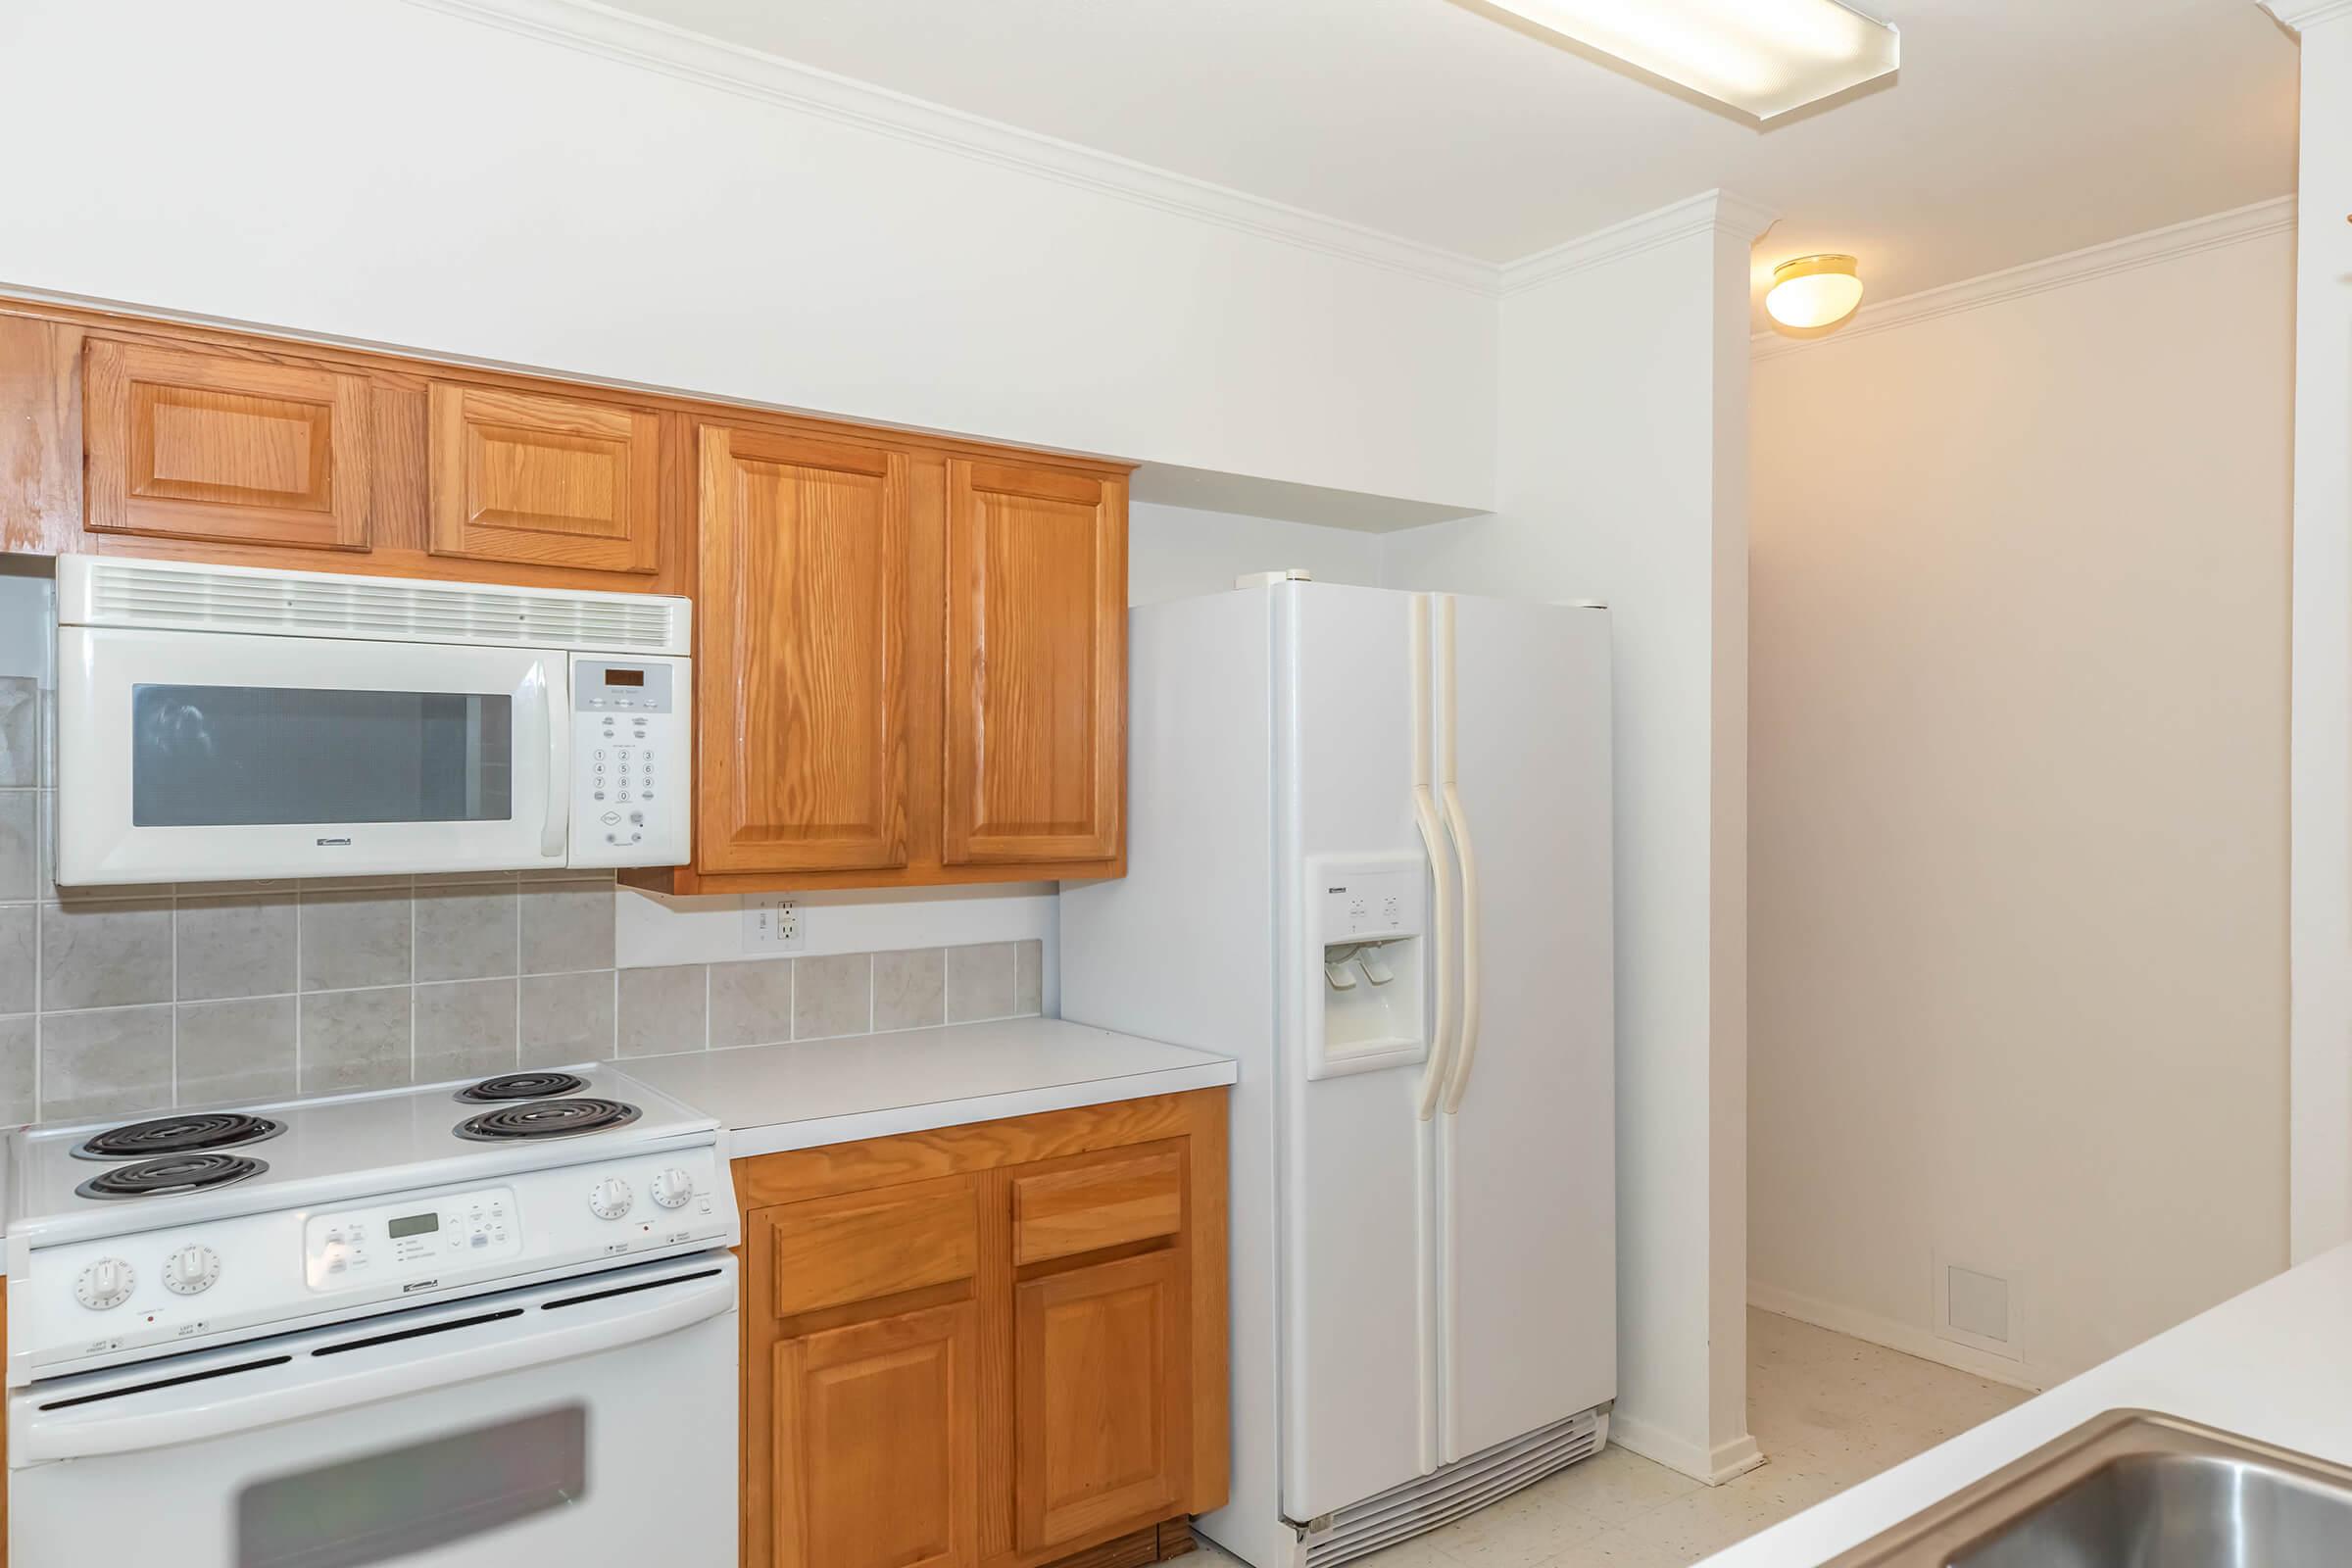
(631, 742)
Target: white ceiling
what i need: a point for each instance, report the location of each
(2016, 128)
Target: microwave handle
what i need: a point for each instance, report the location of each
(555, 738)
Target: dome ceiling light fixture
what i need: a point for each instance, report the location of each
(1761, 57)
(1814, 293)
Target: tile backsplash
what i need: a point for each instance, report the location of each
(120, 1000)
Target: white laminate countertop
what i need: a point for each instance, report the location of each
(774, 1097)
(2275, 1364)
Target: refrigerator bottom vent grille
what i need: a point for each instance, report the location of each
(1463, 1487)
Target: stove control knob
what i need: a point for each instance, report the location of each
(192, 1270)
(673, 1188)
(104, 1284)
(610, 1199)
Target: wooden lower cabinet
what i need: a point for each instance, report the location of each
(876, 1442)
(1000, 1346)
(1102, 1400)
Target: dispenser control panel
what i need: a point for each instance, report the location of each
(1372, 906)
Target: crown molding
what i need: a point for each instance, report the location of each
(749, 72)
(1710, 212)
(2297, 16)
(2214, 233)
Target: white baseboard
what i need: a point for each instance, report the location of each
(1713, 1466)
(1907, 1338)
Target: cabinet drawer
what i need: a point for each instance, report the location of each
(1083, 1210)
(857, 1247)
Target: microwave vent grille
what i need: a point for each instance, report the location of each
(379, 610)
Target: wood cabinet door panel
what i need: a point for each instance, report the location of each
(187, 445)
(861, 1245)
(544, 482)
(1103, 1406)
(1036, 698)
(876, 1443)
(812, 619)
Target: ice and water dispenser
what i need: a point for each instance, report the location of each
(1365, 919)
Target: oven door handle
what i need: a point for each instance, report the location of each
(207, 1407)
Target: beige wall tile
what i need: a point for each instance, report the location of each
(16, 1059)
(355, 1039)
(1028, 977)
(465, 933)
(355, 937)
(20, 738)
(239, 947)
(980, 982)
(17, 963)
(240, 1049)
(832, 995)
(105, 954)
(566, 1018)
(661, 1010)
(114, 1062)
(750, 1003)
(20, 845)
(910, 989)
(464, 1029)
(566, 927)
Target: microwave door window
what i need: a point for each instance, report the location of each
(248, 756)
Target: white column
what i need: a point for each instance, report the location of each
(1622, 468)
(2320, 896)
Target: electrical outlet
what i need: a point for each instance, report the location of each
(773, 923)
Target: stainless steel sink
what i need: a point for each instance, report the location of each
(2133, 1489)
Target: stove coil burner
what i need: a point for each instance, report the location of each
(546, 1118)
(170, 1176)
(178, 1135)
(522, 1086)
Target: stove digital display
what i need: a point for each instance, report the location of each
(414, 1225)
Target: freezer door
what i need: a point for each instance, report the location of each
(1356, 1161)
(1526, 1157)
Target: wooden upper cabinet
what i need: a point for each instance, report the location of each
(544, 482)
(1037, 665)
(185, 444)
(820, 648)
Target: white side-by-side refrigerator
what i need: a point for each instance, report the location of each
(1369, 854)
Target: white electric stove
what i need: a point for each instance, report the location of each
(450, 1325)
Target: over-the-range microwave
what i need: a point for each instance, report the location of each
(220, 722)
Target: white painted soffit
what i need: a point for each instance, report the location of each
(730, 68)
(2298, 14)
(2233, 227)
(711, 63)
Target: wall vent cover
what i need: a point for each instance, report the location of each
(1977, 1308)
(175, 596)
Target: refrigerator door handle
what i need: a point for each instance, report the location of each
(1457, 828)
(1432, 840)
(1465, 1047)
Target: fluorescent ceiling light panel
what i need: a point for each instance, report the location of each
(1765, 57)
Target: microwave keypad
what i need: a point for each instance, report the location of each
(630, 750)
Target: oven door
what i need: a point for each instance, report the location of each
(587, 1422)
(202, 755)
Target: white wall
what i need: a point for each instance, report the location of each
(398, 174)
(1175, 551)
(2019, 657)
(2321, 898)
(1623, 472)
